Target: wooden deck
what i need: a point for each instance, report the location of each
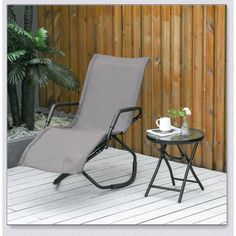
(32, 199)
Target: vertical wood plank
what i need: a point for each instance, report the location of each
(166, 66)
(147, 82)
(166, 61)
(108, 36)
(208, 86)
(99, 11)
(73, 50)
(197, 75)
(49, 27)
(90, 33)
(127, 52)
(41, 23)
(65, 39)
(219, 96)
(108, 33)
(137, 52)
(157, 95)
(82, 44)
(117, 45)
(57, 43)
(187, 58)
(176, 64)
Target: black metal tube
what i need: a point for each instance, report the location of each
(187, 171)
(119, 185)
(54, 106)
(117, 115)
(166, 188)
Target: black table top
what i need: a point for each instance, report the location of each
(194, 136)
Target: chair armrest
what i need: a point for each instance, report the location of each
(117, 115)
(54, 106)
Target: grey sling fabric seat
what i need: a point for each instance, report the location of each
(106, 108)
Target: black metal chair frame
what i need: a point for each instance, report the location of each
(103, 144)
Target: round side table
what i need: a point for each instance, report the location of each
(194, 137)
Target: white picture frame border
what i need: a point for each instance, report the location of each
(52, 230)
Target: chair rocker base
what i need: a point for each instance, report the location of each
(112, 186)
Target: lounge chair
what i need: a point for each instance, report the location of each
(107, 108)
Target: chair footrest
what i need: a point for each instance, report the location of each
(166, 188)
(188, 180)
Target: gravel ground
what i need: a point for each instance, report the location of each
(61, 119)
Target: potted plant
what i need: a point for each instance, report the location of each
(183, 113)
(29, 63)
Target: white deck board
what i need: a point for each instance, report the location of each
(32, 199)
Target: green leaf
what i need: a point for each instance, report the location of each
(39, 60)
(40, 38)
(39, 74)
(16, 74)
(14, 28)
(13, 56)
(62, 76)
(53, 51)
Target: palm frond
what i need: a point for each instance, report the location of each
(16, 74)
(14, 28)
(39, 60)
(40, 38)
(53, 51)
(39, 73)
(62, 76)
(13, 56)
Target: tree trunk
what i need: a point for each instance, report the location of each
(28, 103)
(24, 89)
(14, 105)
(28, 18)
(28, 89)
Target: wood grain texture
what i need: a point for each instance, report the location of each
(197, 75)
(57, 43)
(127, 52)
(186, 45)
(32, 199)
(49, 26)
(41, 23)
(219, 89)
(137, 52)
(73, 49)
(187, 63)
(117, 44)
(147, 81)
(65, 44)
(209, 26)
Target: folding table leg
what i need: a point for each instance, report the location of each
(191, 168)
(187, 171)
(162, 151)
(170, 170)
(196, 178)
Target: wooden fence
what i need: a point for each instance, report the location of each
(187, 46)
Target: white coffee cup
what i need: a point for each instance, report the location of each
(164, 123)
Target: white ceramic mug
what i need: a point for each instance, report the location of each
(164, 123)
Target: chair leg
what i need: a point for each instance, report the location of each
(60, 178)
(119, 185)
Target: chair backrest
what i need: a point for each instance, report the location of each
(111, 83)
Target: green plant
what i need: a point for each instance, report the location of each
(13, 54)
(173, 113)
(29, 63)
